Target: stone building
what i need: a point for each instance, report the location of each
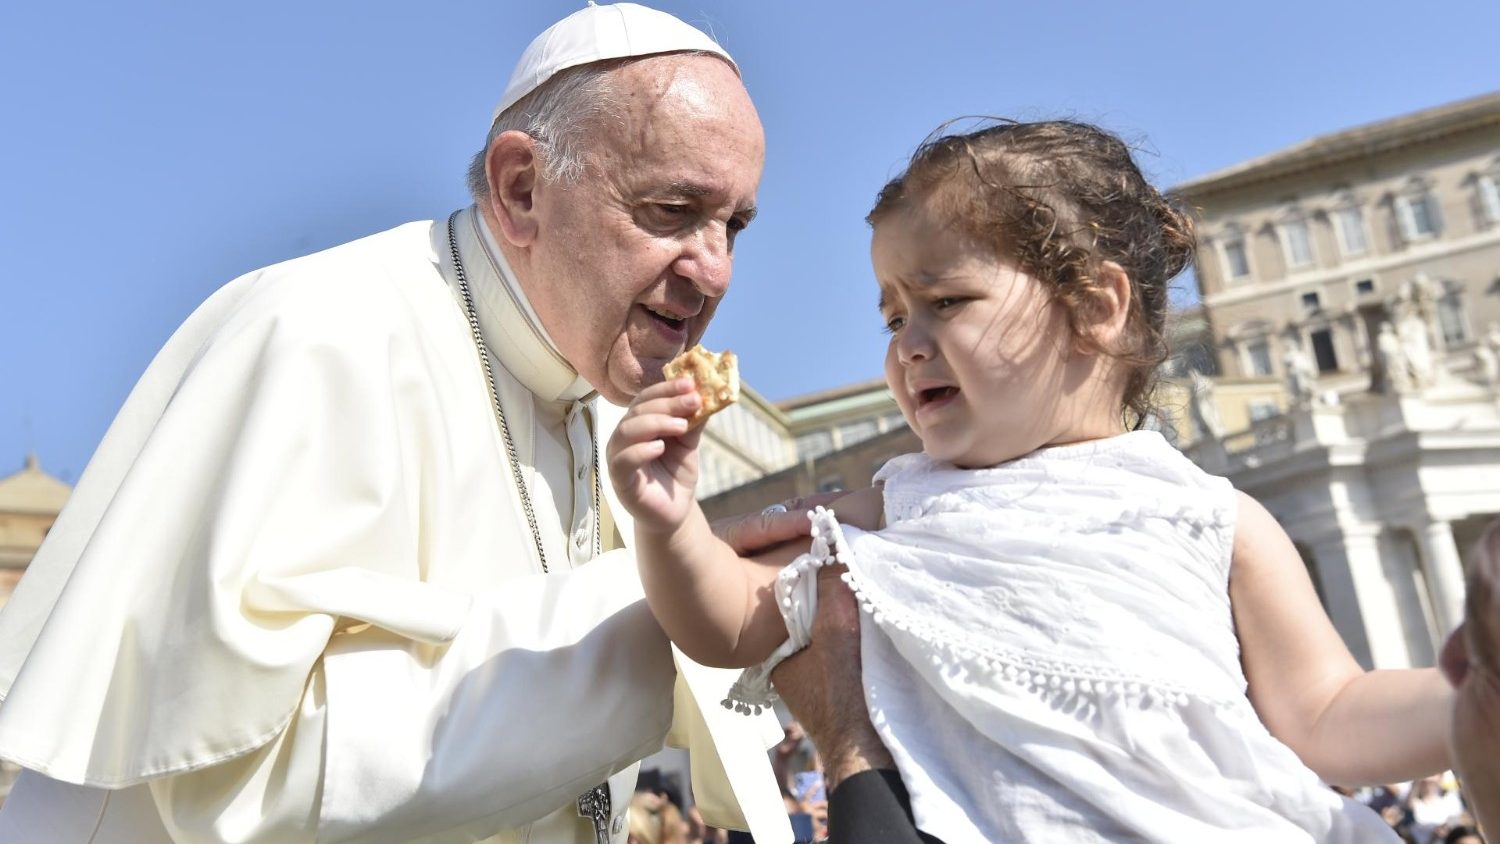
(842, 436)
(745, 441)
(29, 503)
(1303, 249)
(1351, 285)
(837, 418)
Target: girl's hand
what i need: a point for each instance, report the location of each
(653, 457)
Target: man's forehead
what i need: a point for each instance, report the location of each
(687, 128)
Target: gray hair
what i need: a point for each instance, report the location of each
(555, 115)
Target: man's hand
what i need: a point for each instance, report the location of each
(1471, 661)
(749, 535)
(823, 685)
(653, 457)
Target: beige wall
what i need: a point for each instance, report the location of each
(1464, 254)
(851, 468)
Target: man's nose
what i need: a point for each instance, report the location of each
(707, 261)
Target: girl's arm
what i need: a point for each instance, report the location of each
(1352, 727)
(719, 607)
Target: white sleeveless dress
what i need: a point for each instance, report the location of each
(1053, 656)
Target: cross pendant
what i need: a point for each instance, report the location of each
(594, 805)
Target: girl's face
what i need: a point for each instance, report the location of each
(981, 359)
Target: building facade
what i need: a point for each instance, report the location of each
(1304, 249)
(29, 503)
(745, 441)
(1352, 290)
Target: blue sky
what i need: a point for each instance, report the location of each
(154, 151)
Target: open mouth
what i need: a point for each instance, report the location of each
(666, 318)
(935, 395)
(669, 322)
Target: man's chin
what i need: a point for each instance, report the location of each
(624, 383)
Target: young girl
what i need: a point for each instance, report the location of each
(1071, 632)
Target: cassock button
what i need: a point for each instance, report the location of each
(617, 824)
(583, 473)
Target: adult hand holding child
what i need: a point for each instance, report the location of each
(1471, 661)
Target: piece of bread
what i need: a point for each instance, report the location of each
(717, 377)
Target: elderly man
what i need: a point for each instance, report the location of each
(344, 568)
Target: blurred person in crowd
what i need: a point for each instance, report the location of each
(1463, 835)
(1431, 807)
(653, 819)
(346, 564)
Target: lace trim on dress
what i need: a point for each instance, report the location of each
(1065, 683)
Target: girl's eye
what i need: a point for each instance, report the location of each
(894, 324)
(946, 302)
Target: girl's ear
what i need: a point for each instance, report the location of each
(1108, 309)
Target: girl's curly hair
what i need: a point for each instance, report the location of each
(1059, 198)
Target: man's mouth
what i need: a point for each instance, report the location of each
(670, 319)
(672, 327)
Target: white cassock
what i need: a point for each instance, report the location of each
(294, 597)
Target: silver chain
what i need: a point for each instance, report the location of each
(510, 445)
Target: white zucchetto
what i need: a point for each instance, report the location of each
(598, 33)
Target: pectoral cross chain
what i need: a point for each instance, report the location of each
(594, 806)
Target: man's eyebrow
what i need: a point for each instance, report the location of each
(682, 188)
(693, 189)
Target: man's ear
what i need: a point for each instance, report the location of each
(511, 167)
(1109, 306)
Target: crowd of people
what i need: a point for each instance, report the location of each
(1431, 810)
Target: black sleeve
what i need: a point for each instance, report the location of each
(872, 807)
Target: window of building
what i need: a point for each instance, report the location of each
(814, 444)
(1311, 302)
(1349, 223)
(856, 432)
(1323, 353)
(1263, 409)
(1296, 242)
(1236, 261)
(832, 483)
(1416, 212)
(1451, 319)
(1489, 197)
(1258, 357)
(1364, 287)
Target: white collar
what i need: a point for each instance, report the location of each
(511, 327)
